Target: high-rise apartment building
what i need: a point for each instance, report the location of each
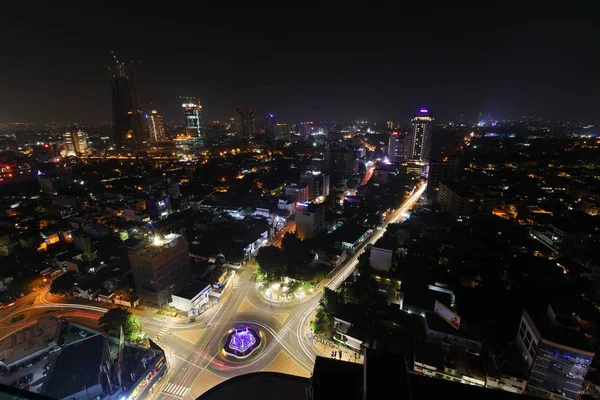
(420, 135)
(318, 183)
(298, 192)
(156, 127)
(340, 162)
(442, 171)
(244, 121)
(160, 267)
(192, 114)
(397, 146)
(75, 142)
(282, 132)
(128, 131)
(270, 125)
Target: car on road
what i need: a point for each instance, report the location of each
(83, 334)
(557, 366)
(559, 391)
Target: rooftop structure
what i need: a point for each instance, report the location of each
(160, 267)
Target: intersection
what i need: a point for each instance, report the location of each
(194, 350)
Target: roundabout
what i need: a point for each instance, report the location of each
(242, 342)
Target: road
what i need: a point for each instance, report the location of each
(194, 350)
(290, 226)
(368, 174)
(285, 326)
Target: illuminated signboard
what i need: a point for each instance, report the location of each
(447, 314)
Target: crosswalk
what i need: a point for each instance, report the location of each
(163, 331)
(176, 390)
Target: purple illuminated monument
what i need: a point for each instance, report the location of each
(241, 341)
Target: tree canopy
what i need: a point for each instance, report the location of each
(115, 318)
(271, 263)
(63, 284)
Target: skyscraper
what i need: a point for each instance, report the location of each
(192, 113)
(396, 143)
(127, 115)
(250, 128)
(270, 125)
(282, 131)
(156, 127)
(244, 121)
(340, 162)
(420, 135)
(75, 142)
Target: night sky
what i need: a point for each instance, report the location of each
(339, 62)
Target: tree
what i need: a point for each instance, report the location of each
(115, 318)
(271, 263)
(63, 284)
(329, 301)
(296, 254)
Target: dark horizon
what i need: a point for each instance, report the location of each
(333, 62)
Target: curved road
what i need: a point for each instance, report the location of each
(194, 350)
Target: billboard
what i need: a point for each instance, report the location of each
(447, 314)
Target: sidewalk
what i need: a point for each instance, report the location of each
(324, 349)
(277, 298)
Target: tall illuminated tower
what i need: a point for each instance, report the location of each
(270, 125)
(192, 113)
(420, 135)
(156, 127)
(127, 115)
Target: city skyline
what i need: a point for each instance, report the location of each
(457, 62)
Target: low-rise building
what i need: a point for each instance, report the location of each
(382, 257)
(34, 339)
(191, 298)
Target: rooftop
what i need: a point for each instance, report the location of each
(76, 367)
(561, 335)
(191, 290)
(29, 339)
(153, 247)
